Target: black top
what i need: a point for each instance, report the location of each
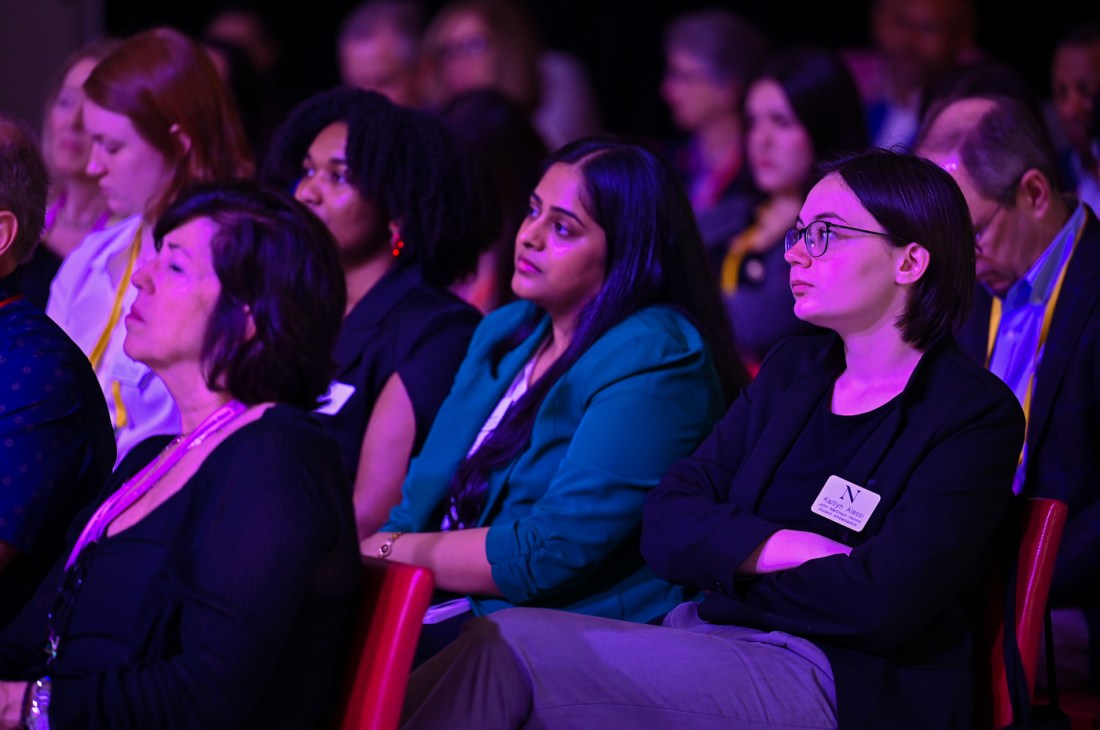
(894, 617)
(38, 274)
(229, 605)
(407, 326)
(825, 448)
(56, 443)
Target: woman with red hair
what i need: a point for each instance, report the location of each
(160, 119)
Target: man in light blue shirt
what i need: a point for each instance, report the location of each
(1038, 256)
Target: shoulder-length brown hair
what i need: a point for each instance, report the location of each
(169, 89)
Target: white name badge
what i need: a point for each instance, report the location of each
(337, 395)
(129, 372)
(845, 503)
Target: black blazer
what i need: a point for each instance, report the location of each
(1063, 439)
(894, 617)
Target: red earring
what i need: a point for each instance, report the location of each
(396, 245)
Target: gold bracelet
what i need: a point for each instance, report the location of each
(386, 548)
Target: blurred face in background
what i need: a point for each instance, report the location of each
(67, 142)
(465, 55)
(1074, 81)
(695, 96)
(130, 171)
(780, 152)
(381, 62)
(921, 39)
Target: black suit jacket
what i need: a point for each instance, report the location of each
(894, 617)
(1063, 438)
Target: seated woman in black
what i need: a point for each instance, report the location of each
(216, 584)
(840, 517)
(410, 210)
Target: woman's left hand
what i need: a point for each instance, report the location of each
(11, 705)
(456, 557)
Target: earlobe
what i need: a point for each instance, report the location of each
(912, 263)
(1035, 192)
(184, 139)
(249, 324)
(9, 230)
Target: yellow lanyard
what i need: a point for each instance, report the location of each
(100, 348)
(116, 308)
(1048, 314)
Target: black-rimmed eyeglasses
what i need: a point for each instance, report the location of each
(818, 234)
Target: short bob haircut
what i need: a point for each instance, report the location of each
(823, 96)
(168, 88)
(408, 164)
(654, 256)
(24, 184)
(915, 200)
(274, 326)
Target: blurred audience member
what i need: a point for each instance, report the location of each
(160, 119)
(76, 206)
(246, 27)
(56, 445)
(411, 213)
(379, 49)
(710, 58)
(501, 136)
(916, 43)
(803, 108)
(1074, 82)
(494, 44)
(1036, 324)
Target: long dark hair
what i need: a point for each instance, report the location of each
(654, 256)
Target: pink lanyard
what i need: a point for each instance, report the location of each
(143, 481)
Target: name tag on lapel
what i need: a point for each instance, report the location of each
(337, 395)
(845, 503)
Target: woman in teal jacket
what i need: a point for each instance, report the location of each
(572, 403)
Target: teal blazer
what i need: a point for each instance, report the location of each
(565, 516)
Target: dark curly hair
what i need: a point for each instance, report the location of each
(274, 326)
(410, 165)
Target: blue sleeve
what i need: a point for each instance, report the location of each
(639, 413)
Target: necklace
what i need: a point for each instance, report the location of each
(137, 486)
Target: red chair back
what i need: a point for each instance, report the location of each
(1040, 534)
(394, 599)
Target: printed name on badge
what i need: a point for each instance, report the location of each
(845, 503)
(337, 395)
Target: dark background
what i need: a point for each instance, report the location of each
(619, 41)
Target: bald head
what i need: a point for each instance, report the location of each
(23, 186)
(995, 138)
(996, 150)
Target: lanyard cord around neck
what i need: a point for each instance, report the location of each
(1048, 315)
(137, 486)
(116, 307)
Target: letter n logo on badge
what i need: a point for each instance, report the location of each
(848, 491)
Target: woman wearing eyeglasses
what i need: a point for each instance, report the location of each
(840, 517)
